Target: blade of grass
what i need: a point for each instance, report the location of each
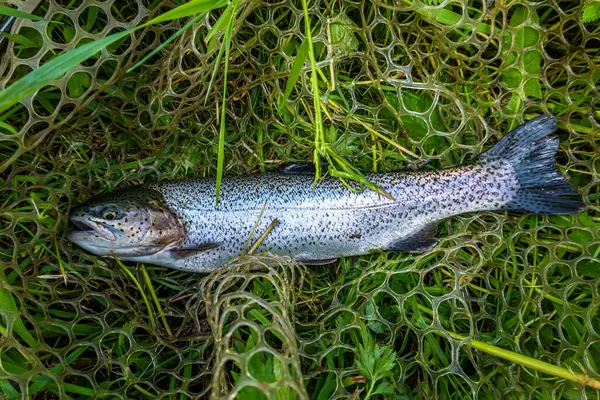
(60, 262)
(219, 25)
(262, 237)
(12, 12)
(294, 73)
(348, 173)
(8, 390)
(53, 70)
(166, 42)
(19, 39)
(69, 387)
(7, 303)
(530, 362)
(383, 137)
(8, 127)
(137, 284)
(40, 382)
(155, 299)
(214, 72)
(144, 392)
(262, 211)
(319, 137)
(221, 151)
(58, 66)
(187, 9)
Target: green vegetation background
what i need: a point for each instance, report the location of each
(100, 96)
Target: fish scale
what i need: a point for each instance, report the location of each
(322, 222)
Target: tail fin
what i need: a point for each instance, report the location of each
(531, 153)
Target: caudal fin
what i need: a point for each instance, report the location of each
(531, 152)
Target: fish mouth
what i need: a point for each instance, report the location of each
(81, 226)
(88, 229)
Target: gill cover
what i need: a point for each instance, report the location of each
(128, 223)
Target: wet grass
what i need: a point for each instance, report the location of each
(479, 315)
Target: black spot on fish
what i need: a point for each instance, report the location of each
(355, 236)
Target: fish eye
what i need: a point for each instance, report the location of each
(110, 214)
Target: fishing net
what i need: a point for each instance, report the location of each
(400, 83)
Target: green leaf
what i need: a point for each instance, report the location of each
(384, 388)
(591, 12)
(533, 88)
(526, 37)
(12, 12)
(78, 84)
(53, 70)
(511, 78)
(375, 363)
(515, 105)
(343, 36)
(511, 58)
(589, 268)
(519, 15)
(294, 72)
(532, 62)
(586, 220)
(416, 126)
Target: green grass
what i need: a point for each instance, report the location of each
(506, 306)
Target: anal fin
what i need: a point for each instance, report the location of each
(324, 261)
(419, 242)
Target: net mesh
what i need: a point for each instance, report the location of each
(401, 82)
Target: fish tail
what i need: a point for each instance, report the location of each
(531, 153)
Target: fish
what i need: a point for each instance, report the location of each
(178, 224)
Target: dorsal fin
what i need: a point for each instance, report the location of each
(300, 168)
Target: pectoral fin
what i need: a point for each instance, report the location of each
(189, 251)
(420, 242)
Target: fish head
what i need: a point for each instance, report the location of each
(127, 223)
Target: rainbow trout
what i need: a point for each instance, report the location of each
(178, 225)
